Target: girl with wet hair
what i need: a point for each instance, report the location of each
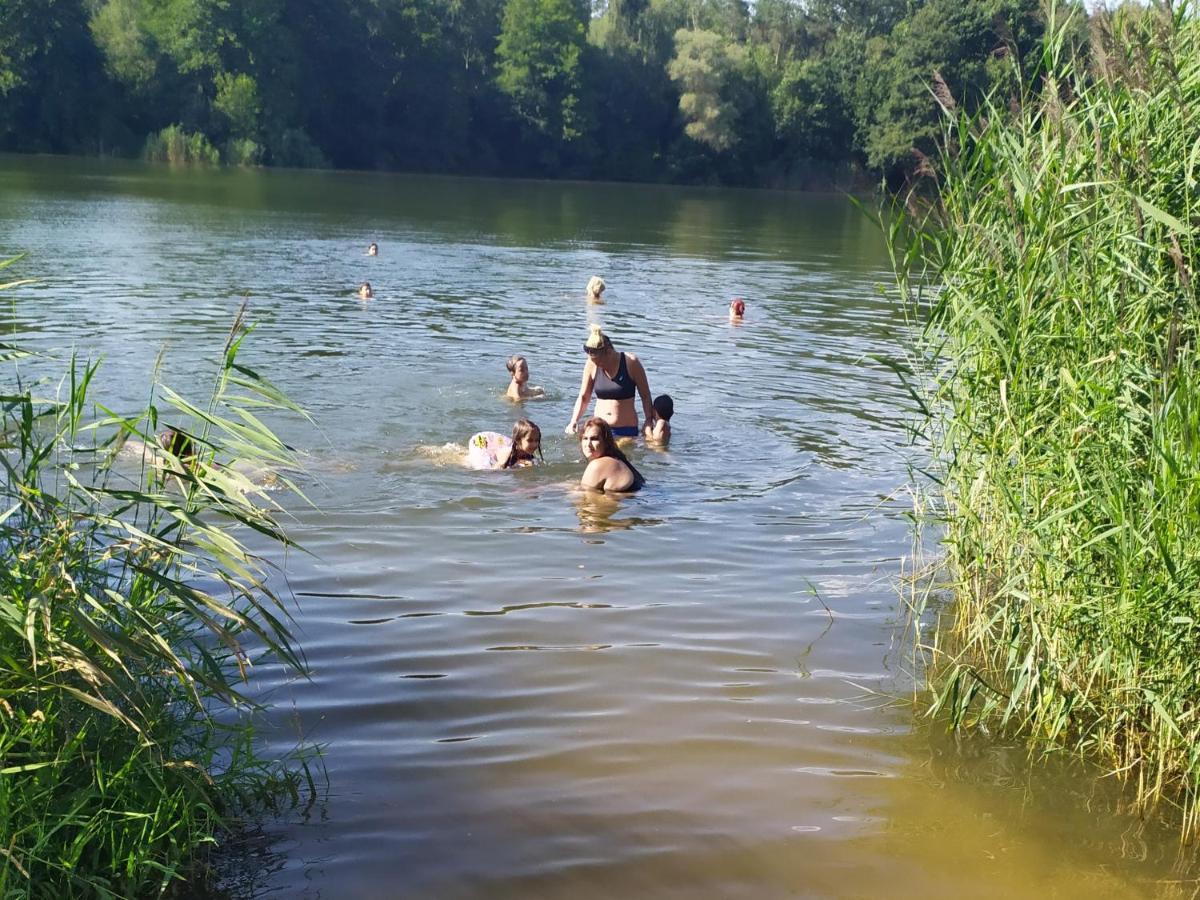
(595, 289)
(492, 450)
(608, 469)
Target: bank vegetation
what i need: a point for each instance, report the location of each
(132, 613)
(1057, 266)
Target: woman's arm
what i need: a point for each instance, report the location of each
(593, 477)
(585, 395)
(638, 371)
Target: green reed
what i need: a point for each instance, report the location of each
(1062, 386)
(131, 612)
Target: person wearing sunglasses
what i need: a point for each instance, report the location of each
(615, 378)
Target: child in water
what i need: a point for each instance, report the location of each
(737, 309)
(364, 291)
(519, 388)
(492, 450)
(659, 432)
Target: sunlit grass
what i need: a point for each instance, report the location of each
(131, 613)
(1064, 407)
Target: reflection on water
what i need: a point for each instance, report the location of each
(521, 689)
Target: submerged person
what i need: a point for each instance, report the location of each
(364, 291)
(615, 377)
(492, 450)
(373, 249)
(595, 289)
(737, 309)
(660, 431)
(608, 469)
(519, 387)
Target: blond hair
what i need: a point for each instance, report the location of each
(595, 286)
(597, 339)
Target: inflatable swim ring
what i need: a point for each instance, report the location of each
(488, 450)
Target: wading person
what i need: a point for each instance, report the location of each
(615, 378)
(519, 387)
(595, 289)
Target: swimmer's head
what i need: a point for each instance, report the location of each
(596, 440)
(373, 250)
(526, 441)
(664, 407)
(364, 290)
(595, 287)
(518, 368)
(597, 342)
(737, 307)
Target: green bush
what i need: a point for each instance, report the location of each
(130, 614)
(178, 147)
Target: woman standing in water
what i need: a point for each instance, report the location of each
(615, 377)
(608, 469)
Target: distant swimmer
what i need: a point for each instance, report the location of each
(616, 378)
(660, 431)
(608, 469)
(519, 388)
(373, 249)
(737, 309)
(595, 289)
(364, 291)
(492, 450)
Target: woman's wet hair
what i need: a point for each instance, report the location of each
(511, 364)
(737, 306)
(523, 430)
(595, 286)
(608, 446)
(597, 339)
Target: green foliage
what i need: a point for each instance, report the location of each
(1063, 352)
(175, 146)
(130, 615)
(237, 100)
(538, 54)
(704, 68)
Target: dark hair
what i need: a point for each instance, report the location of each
(664, 406)
(178, 444)
(511, 364)
(522, 428)
(608, 447)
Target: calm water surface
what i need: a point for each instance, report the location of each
(700, 691)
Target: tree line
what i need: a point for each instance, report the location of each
(774, 92)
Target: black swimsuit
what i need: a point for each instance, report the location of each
(619, 388)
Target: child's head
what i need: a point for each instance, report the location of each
(364, 290)
(595, 286)
(518, 368)
(527, 438)
(737, 307)
(664, 407)
(373, 250)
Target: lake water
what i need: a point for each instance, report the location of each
(703, 690)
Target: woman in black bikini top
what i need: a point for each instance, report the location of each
(615, 378)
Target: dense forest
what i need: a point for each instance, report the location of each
(774, 92)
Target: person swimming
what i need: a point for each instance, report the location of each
(519, 387)
(595, 289)
(364, 291)
(373, 249)
(492, 450)
(608, 469)
(737, 309)
(660, 431)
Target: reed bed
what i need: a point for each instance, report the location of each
(1062, 397)
(131, 612)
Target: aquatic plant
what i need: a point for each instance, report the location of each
(178, 147)
(131, 613)
(1062, 392)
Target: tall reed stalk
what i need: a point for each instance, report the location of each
(1063, 352)
(131, 612)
